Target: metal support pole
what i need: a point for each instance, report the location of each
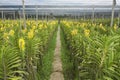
(74, 17)
(11, 16)
(112, 17)
(20, 19)
(93, 15)
(46, 16)
(119, 19)
(36, 15)
(24, 19)
(2, 16)
(103, 16)
(14, 15)
(84, 16)
(30, 16)
(27, 16)
(78, 17)
(42, 16)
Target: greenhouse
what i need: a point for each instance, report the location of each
(60, 40)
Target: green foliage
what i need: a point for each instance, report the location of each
(96, 56)
(21, 50)
(47, 59)
(100, 59)
(10, 64)
(65, 56)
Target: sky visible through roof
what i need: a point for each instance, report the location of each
(76, 10)
(65, 2)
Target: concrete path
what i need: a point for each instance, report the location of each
(57, 64)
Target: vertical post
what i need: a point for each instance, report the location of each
(14, 15)
(84, 16)
(78, 17)
(74, 17)
(24, 14)
(27, 16)
(46, 16)
(112, 17)
(103, 16)
(119, 19)
(93, 14)
(2, 17)
(36, 15)
(43, 16)
(20, 19)
(32, 17)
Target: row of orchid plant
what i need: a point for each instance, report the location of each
(94, 50)
(21, 48)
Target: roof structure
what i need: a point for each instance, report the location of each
(59, 6)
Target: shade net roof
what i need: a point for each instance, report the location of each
(60, 6)
(71, 2)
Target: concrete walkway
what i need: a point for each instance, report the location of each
(57, 64)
